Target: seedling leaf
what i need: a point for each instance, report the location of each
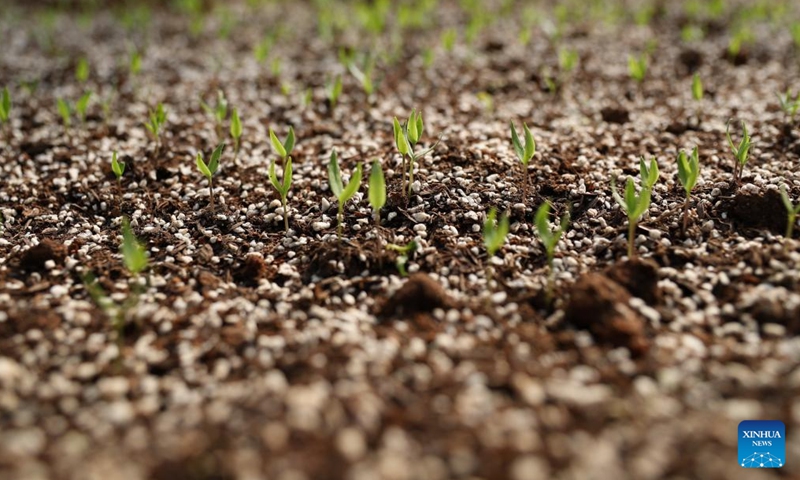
(134, 254)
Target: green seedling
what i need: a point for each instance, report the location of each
(524, 152)
(448, 39)
(219, 112)
(135, 63)
(282, 187)
(65, 111)
(377, 190)
(82, 70)
(82, 105)
(134, 254)
(156, 121)
(404, 251)
(688, 173)
(549, 237)
(637, 67)
(791, 210)
(406, 138)
(342, 193)
(334, 90)
(634, 206)
(788, 106)
(494, 232)
(567, 60)
(740, 153)
(118, 168)
(5, 111)
(282, 149)
(236, 131)
(697, 88)
(209, 169)
(649, 173)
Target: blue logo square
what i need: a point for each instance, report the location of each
(762, 444)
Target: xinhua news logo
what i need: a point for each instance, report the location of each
(762, 444)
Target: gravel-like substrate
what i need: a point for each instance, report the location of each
(255, 354)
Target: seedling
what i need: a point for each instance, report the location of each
(65, 112)
(524, 152)
(788, 106)
(741, 153)
(342, 193)
(219, 111)
(82, 70)
(567, 60)
(791, 210)
(688, 173)
(282, 187)
(634, 205)
(697, 88)
(494, 232)
(134, 254)
(377, 190)
(549, 237)
(448, 39)
(282, 149)
(118, 168)
(209, 169)
(82, 105)
(334, 90)
(637, 67)
(5, 111)
(649, 173)
(135, 63)
(404, 251)
(156, 121)
(236, 131)
(406, 138)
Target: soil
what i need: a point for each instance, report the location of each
(248, 352)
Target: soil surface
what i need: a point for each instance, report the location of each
(255, 353)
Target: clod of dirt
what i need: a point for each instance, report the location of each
(639, 277)
(420, 294)
(600, 305)
(253, 269)
(763, 210)
(615, 115)
(35, 258)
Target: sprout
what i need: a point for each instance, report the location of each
(688, 172)
(135, 63)
(524, 152)
(697, 87)
(550, 237)
(282, 188)
(82, 70)
(788, 106)
(65, 112)
(741, 153)
(377, 190)
(209, 169)
(219, 111)
(634, 206)
(791, 210)
(134, 254)
(363, 76)
(5, 110)
(156, 121)
(405, 139)
(342, 193)
(448, 39)
(82, 105)
(282, 149)
(404, 251)
(334, 90)
(567, 59)
(637, 67)
(117, 167)
(236, 131)
(494, 232)
(649, 174)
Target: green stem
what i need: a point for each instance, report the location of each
(211, 193)
(685, 214)
(790, 225)
(339, 217)
(404, 174)
(285, 215)
(631, 233)
(551, 280)
(410, 174)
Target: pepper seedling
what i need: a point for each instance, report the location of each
(549, 237)
(282, 149)
(688, 173)
(236, 131)
(788, 106)
(791, 210)
(342, 193)
(637, 67)
(649, 173)
(404, 251)
(494, 236)
(118, 168)
(82, 70)
(156, 121)
(82, 105)
(697, 94)
(65, 112)
(5, 111)
(334, 90)
(209, 169)
(524, 152)
(377, 190)
(741, 153)
(219, 111)
(282, 187)
(634, 206)
(406, 138)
